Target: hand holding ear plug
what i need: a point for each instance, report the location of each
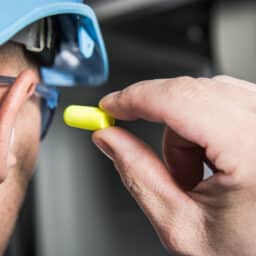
(207, 121)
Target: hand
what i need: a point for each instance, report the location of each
(209, 121)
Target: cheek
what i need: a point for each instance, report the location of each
(27, 134)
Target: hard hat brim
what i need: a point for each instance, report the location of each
(21, 20)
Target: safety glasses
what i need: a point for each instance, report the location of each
(49, 101)
(81, 59)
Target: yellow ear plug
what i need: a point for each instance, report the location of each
(87, 118)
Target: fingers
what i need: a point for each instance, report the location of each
(137, 101)
(184, 159)
(11, 103)
(185, 104)
(202, 111)
(143, 174)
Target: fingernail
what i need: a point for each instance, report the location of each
(105, 101)
(105, 149)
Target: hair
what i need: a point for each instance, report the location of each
(15, 55)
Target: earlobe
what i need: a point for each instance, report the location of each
(12, 102)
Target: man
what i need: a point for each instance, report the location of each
(19, 138)
(208, 120)
(62, 50)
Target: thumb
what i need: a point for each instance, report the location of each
(144, 175)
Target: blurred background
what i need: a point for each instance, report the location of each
(76, 204)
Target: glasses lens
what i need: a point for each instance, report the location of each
(81, 59)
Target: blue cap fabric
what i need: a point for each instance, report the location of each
(82, 59)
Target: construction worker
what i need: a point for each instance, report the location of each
(43, 44)
(46, 43)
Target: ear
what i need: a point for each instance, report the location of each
(12, 102)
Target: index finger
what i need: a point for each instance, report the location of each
(196, 109)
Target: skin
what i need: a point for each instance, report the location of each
(209, 121)
(19, 142)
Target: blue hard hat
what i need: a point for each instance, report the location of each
(81, 58)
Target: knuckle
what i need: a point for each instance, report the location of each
(204, 84)
(130, 95)
(185, 80)
(120, 97)
(173, 239)
(127, 97)
(130, 182)
(221, 78)
(134, 94)
(204, 80)
(183, 87)
(136, 88)
(141, 83)
(183, 83)
(131, 185)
